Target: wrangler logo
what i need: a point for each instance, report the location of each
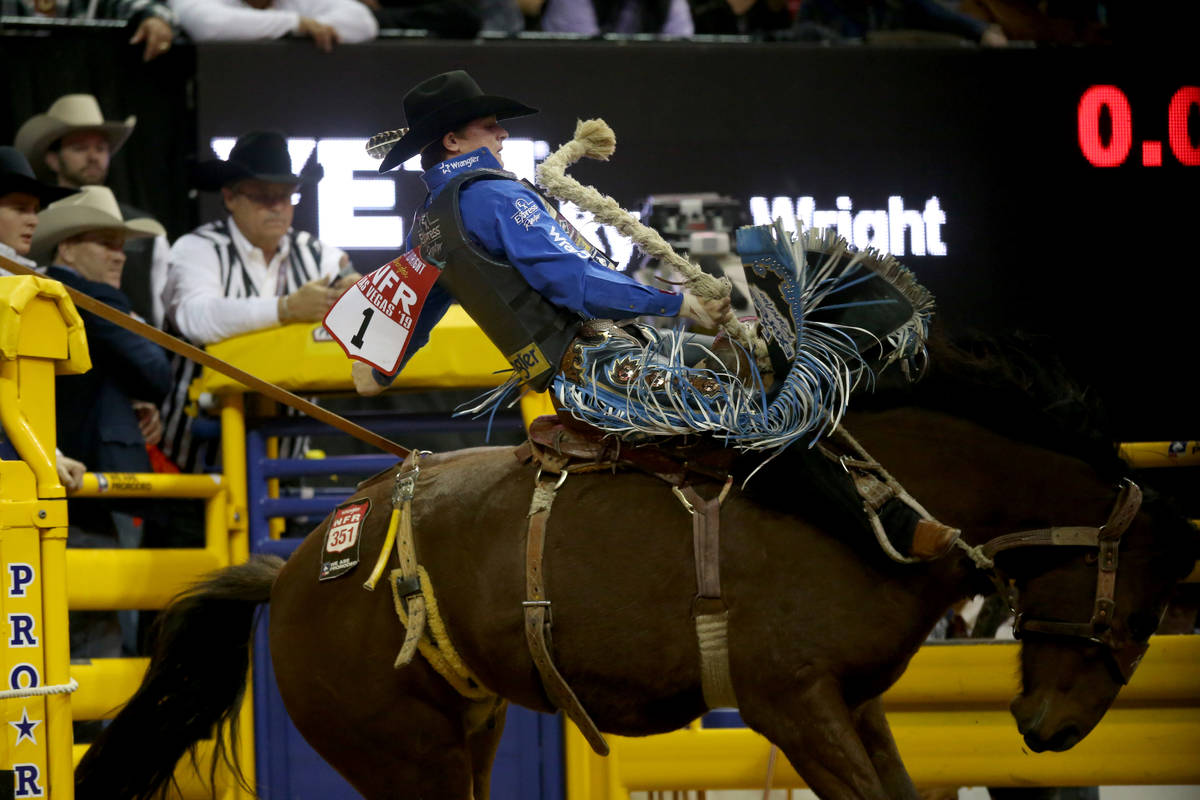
(529, 362)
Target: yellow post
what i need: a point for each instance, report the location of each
(233, 463)
(41, 335)
(534, 405)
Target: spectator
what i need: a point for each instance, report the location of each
(450, 19)
(741, 17)
(154, 23)
(82, 237)
(21, 197)
(593, 17)
(867, 19)
(244, 273)
(72, 145)
(326, 22)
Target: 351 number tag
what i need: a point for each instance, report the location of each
(373, 319)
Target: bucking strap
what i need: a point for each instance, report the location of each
(708, 609)
(406, 581)
(551, 475)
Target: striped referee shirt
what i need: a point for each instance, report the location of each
(219, 285)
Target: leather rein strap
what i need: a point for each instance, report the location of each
(1107, 539)
(180, 347)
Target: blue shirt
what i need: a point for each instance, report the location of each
(508, 221)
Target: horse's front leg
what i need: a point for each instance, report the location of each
(816, 731)
(876, 736)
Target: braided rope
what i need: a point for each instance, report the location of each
(40, 691)
(595, 139)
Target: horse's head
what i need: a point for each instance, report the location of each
(1086, 612)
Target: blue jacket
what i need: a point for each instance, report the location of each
(96, 423)
(507, 219)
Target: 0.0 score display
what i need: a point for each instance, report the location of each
(1100, 104)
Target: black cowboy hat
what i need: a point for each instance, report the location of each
(441, 104)
(258, 155)
(17, 176)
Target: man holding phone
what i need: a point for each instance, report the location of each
(246, 272)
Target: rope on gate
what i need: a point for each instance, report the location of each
(40, 691)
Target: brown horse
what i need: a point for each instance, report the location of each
(821, 623)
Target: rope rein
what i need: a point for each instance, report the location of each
(595, 139)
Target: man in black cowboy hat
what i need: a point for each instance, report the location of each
(480, 223)
(21, 197)
(249, 271)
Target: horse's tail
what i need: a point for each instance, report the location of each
(196, 679)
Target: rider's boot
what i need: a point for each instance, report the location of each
(903, 528)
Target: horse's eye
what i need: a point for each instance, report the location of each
(1091, 558)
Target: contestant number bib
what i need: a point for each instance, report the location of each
(373, 320)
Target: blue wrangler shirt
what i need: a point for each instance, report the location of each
(508, 221)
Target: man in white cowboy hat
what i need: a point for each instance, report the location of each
(82, 237)
(106, 416)
(154, 23)
(71, 145)
(246, 272)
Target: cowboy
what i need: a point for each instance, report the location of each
(456, 129)
(547, 299)
(21, 197)
(108, 415)
(72, 145)
(247, 272)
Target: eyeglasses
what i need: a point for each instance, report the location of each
(270, 199)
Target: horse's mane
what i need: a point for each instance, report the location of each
(1016, 385)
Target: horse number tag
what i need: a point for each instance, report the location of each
(373, 319)
(343, 538)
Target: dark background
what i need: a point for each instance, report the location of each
(1102, 262)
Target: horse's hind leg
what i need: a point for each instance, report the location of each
(815, 730)
(876, 736)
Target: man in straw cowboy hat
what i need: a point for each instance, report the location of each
(106, 416)
(72, 144)
(456, 128)
(246, 272)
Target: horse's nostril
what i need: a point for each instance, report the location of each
(1063, 739)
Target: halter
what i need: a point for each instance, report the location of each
(1107, 538)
